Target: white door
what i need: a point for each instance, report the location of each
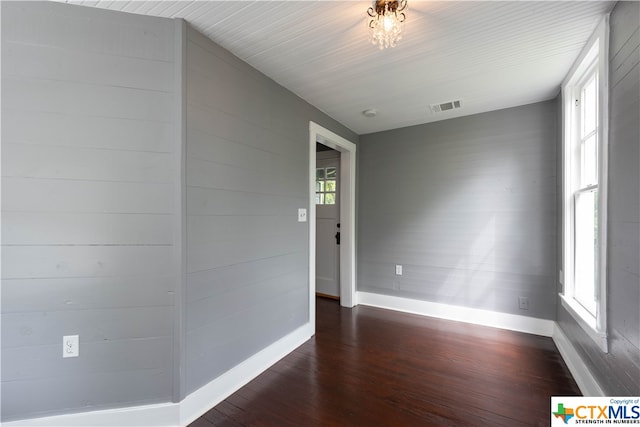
(327, 224)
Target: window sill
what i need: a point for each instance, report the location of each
(586, 321)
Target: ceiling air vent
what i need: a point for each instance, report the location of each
(445, 106)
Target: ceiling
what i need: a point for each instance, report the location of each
(488, 54)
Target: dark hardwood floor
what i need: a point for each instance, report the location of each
(373, 367)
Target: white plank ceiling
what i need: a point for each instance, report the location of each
(490, 55)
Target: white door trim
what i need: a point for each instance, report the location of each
(347, 151)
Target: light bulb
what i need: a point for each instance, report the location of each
(389, 23)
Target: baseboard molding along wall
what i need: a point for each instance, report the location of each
(161, 415)
(203, 399)
(206, 397)
(191, 407)
(581, 374)
(476, 316)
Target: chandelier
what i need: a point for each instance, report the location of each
(387, 18)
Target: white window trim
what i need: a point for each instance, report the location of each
(598, 44)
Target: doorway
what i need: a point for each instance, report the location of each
(327, 222)
(347, 190)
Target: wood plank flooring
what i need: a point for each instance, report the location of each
(372, 367)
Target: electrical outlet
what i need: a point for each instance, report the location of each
(523, 303)
(70, 346)
(398, 270)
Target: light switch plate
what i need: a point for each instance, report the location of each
(302, 215)
(398, 270)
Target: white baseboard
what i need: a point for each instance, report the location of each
(161, 415)
(206, 397)
(191, 407)
(581, 374)
(476, 316)
(583, 377)
(203, 399)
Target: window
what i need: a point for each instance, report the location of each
(326, 186)
(585, 194)
(585, 124)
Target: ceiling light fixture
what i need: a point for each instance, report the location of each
(387, 18)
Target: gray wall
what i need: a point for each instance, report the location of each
(97, 205)
(247, 174)
(467, 206)
(87, 208)
(619, 370)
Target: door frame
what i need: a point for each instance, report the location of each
(347, 184)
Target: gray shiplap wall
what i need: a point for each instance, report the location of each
(467, 206)
(94, 190)
(247, 174)
(88, 156)
(618, 372)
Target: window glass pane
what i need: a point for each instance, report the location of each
(589, 106)
(318, 198)
(589, 154)
(320, 173)
(320, 186)
(331, 172)
(586, 253)
(585, 288)
(330, 199)
(330, 185)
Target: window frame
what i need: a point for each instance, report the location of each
(595, 56)
(323, 192)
